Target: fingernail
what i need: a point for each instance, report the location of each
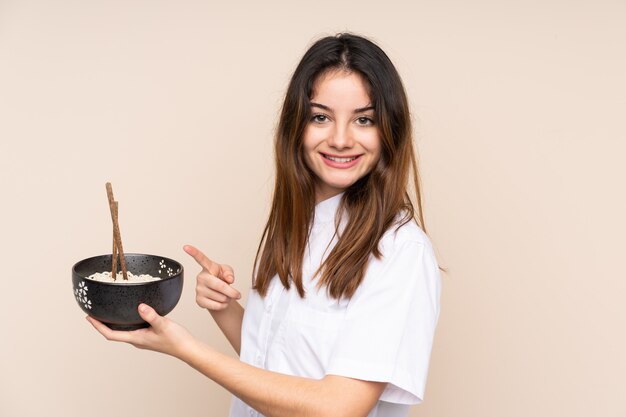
(143, 308)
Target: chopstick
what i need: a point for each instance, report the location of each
(118, 249)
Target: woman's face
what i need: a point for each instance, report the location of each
(341, 141)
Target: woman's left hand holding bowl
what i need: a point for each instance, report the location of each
(163, 335)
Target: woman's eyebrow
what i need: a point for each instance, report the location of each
(321, 106)
(324, 107)
(364, 109)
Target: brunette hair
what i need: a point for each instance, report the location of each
(372, 204)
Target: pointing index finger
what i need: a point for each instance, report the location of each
(201, 259)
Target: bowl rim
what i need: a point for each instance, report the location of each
(129, 284)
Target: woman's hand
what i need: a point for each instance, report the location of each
(214, 292)
(213, 283)
(163, 335)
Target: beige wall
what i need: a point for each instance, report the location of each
(519, 110)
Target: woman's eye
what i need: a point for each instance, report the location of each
(319, 118)
(365, 121)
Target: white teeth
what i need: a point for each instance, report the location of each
(335, 159)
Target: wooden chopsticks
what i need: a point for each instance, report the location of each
(118, 249)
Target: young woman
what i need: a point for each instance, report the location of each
(345, 299)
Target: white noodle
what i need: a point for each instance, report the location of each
(132, 278)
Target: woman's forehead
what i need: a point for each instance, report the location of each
(341, 87)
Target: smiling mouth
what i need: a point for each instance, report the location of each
(340, 159)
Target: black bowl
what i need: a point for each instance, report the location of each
(115, 304)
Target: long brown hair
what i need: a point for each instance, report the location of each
(372, 204)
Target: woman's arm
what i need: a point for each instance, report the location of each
(271, 393)
(276, 395)
(215, 293)
(229, 321)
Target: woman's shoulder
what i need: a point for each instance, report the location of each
(407, 262)
(402, 232)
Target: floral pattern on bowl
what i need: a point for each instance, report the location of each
(81, 295)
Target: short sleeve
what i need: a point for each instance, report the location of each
(390, 322)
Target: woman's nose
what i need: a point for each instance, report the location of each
(341, 138)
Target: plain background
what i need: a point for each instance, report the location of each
(519, 112)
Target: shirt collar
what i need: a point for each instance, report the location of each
(325, 210)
